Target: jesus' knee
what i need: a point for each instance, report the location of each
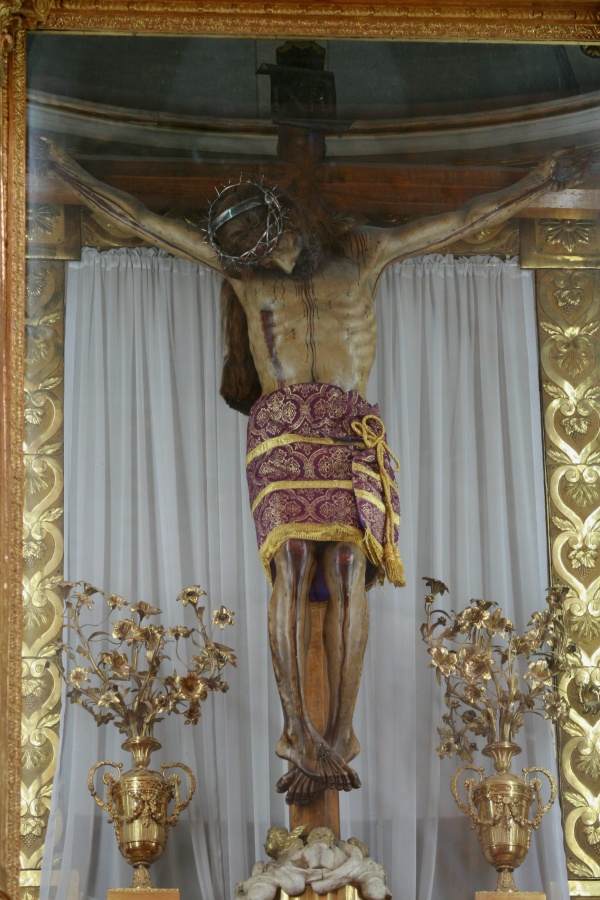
(293, 559)
(347, 561)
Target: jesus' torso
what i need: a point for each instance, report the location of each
(318, 329)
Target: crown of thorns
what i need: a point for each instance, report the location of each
(274, 221)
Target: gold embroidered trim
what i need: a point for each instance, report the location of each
(366, 471)
(285, 439)
(299, 485)
(313, 532)
(375, 475)
(365, 495)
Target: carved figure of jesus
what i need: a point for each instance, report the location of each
(301, 344)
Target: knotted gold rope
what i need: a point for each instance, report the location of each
(372, 439)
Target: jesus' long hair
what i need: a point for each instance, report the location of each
(321, 235)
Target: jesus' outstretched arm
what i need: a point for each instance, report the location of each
(172, 235)
(428, 235)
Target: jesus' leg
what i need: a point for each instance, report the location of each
(288, 613)
(345, 638)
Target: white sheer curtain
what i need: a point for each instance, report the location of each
(156, 499)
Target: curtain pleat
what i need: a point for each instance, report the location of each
(156, 499)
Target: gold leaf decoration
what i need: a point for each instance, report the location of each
(33, 690)
(582, 492)
(554, 391)
(36, 284)
(41, 219)
(557, 456)
(576, 427)
(568, 292)
(588, 759)
(592, 834)
(42, 549)
(36, 755)
(568, 298)
(575, 730)
(31, 829)
(585, 627)
(39, 344)
(36, 617)
(570, 354)
(34, 549)
(583, 557)
(574, 353)
(581, 870)
(568, 233)
(574, 799)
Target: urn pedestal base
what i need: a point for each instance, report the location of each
(518, 895)
(344, 893)
(144, 893)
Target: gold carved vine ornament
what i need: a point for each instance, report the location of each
(569, 331)
(42, 547)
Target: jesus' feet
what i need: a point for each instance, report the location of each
(320, 763)
(344, 741)
(300, 788)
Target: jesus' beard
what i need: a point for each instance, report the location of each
(309, 259)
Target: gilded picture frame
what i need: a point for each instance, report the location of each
(517, 21)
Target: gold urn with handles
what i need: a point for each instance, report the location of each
(138, 801)
(500, 808)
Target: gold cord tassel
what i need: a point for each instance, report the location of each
(394, 568)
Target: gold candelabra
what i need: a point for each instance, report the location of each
(116, 675)
(493, 678)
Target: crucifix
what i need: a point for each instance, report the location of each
(299, 295)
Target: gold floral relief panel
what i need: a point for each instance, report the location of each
(551, 242)
(42, 538)
(569, 329)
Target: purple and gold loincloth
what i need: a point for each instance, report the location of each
(319, 469)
